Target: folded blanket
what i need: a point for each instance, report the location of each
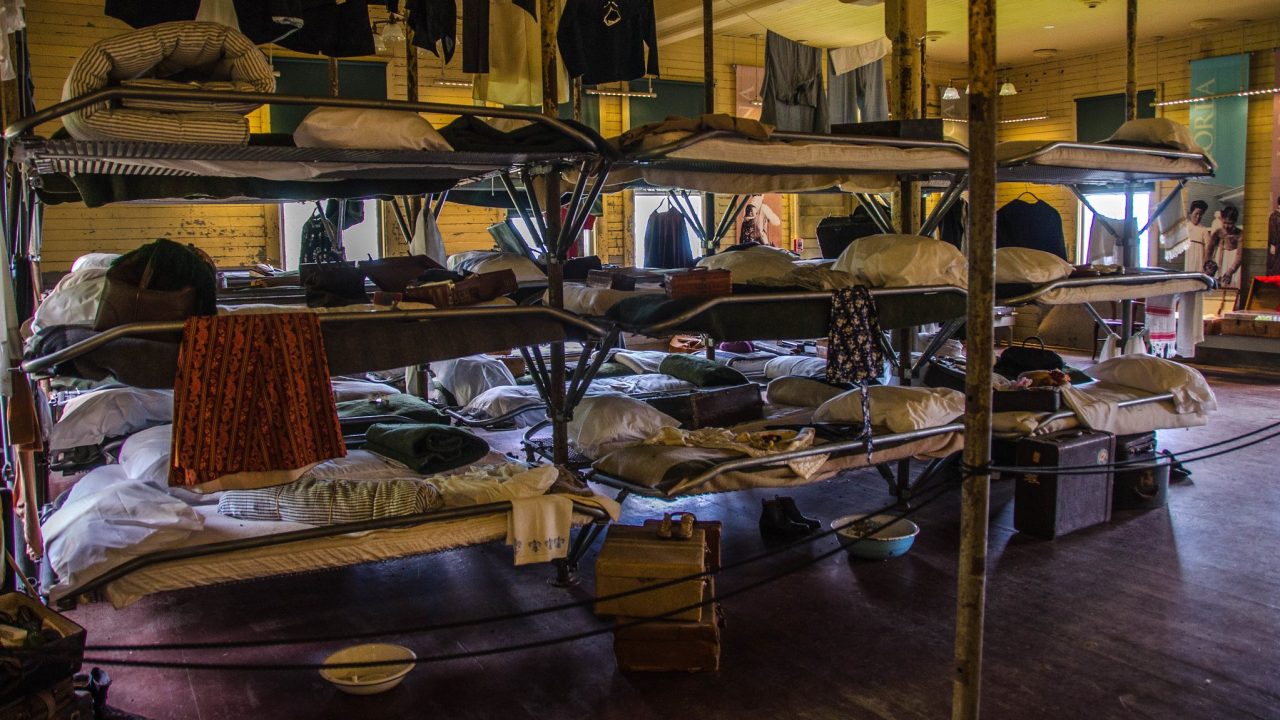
(398, 404)
(332, 501)
(700, 371)
(751, 444)
(426, 448)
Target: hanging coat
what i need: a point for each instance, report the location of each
(666, 241)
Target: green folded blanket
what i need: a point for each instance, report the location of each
(399, 404)
(700, 371)
(425, 448)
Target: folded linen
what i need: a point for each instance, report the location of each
(398, 404)
(333, 501)
(424, 447)
(700, 371)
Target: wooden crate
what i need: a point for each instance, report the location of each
(699, 282)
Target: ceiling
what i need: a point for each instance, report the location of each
(1021, 29)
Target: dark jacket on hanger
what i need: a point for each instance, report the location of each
(434, 24)
(328, 28)
(605, 40)
(1034, 225)
(666, 240)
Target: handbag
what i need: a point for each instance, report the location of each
(123, 302)
(1016, 360)
(333, 284)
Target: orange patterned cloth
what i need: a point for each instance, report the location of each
(252, 395)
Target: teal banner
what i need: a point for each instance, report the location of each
(1220, 126)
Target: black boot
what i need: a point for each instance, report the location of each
(774, 523)
(792, 513)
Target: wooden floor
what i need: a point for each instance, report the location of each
(1163, 614)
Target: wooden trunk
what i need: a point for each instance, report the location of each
(1262, 297)
(1141, 488)
(711, 530)
(716, 407)
(1250, 324)
(667, 646)
(634, 557)
(1046, 505)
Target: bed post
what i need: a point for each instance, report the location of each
(976, 488)
(710, 242)
(1129, 242)
(557, 246)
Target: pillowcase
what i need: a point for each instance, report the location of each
(803, 365)
(483, 261)
(363, 129)
(95, 416)
(903, 261)
(344, 390)
(73, 301)
(1157, 132)
(752, 264)
(800, 392)
(467, 377)
(1191, 393)
(94, 261)
(901, 409)
(642, 362)
(605, 422)
(1027, 265)
(144, 457)
(107, 521)
(498, 401)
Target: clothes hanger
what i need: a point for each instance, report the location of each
(1027, 192)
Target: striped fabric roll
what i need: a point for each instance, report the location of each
(332, 501)
(156, 52)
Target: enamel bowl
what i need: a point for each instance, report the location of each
(889, 541)
(368, 680)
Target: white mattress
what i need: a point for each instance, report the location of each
(1103, 291)
(1097, 157)
(1148, 416)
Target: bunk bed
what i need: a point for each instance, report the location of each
(51, 170)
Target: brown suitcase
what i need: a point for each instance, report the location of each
(671, 646)
(1049, 505)
(634, 557)
(715, 407)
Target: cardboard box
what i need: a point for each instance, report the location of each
(667, 646)
(635, 557)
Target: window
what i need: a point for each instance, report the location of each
(673, 98)
(361, 241)
(646, 204)
(1099, 116)
(1111, 205)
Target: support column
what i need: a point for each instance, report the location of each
(556, 245)
(979, 337)
(905, 22)
(1129, 239)
(708, 106)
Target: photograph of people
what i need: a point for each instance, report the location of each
(757, 218)
(1225, 249)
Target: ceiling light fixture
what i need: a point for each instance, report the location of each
(1050, 27)
(1007, 89)
(950, 93)
(1205, 23)
(1219, 96)
(446, 82)
(1025, 118)
(622, 92)
(393, 33)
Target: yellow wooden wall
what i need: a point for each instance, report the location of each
(1053, 86)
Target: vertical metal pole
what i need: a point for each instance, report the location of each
(1131, 62)
(557, 246)
(1129, 241)
(410, 65)
(979, 337)
(708, 106)
(334, 83)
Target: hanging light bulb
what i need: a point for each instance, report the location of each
(950, 93)
(393, 33)
(1008, 89)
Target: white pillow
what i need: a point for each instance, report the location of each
(1191, 393)
(363, 129)
(477, 261)
(466, 378)
(360, 390)
(752, 264)
(95, 416)
(903, 261)
(604, 423)
(501, 400)
(73, 301)
(901, 409)
(803, 365)
(800, 392)
(1027, 265)
(144, 457)
(107, 521)
(93, 261)
(641, 362)
(1160, 132)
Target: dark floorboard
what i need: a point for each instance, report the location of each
(1168, 613)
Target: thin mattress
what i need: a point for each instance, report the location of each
(1072, 162)
(1113, 288)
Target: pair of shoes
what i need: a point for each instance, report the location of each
(1178, 472)
(782, 519)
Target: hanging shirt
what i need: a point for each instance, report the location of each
(605, 40)
(855, 82)
(1030, 225)
(515, 63)
(434, 24)
(793, 95)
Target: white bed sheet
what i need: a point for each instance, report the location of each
(1103, 292)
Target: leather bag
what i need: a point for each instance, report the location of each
(122, 302)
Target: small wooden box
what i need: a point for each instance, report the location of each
(699, 282)
(1250, 324)
(1262, 297)
(671, 646)
(716, 407)
(634, 557)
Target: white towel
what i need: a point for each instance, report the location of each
(851, 58)
(1162, 328)
(538, 528)
(1190, 323)
(427, 239)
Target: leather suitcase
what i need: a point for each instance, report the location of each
(633, 557)
(713, 407)
(667, 646)
(1142, 488)
(1049, 505)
